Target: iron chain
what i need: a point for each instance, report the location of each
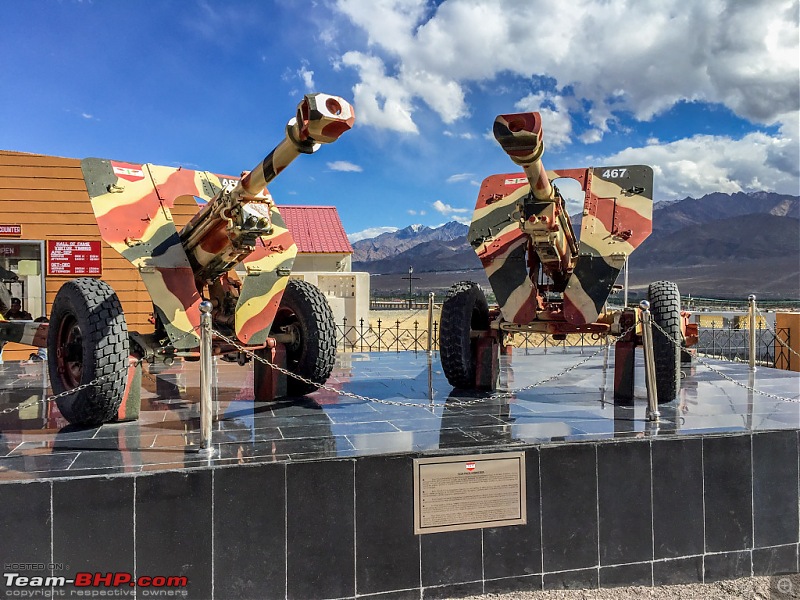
(84, 386)
(498, 395)
(65, 393)
(728, 377)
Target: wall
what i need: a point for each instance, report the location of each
(310, 263)
(669, 510)
(347, 294)
(790, 322)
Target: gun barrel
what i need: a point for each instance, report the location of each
(520, 135)
(320, 119)
(224, 231)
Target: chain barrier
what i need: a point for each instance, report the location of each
(95, 381)
(728, 377)
(495, 396)
(63, 394)
(362, 398)
(775, 334)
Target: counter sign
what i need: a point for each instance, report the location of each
(10, 230)
(74, 257)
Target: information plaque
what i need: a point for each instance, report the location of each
(473, 491)
(74, 257)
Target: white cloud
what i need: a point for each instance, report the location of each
(343, 165)
(463, 136)
(87, 116)
(308, 78)
(413, 212)
(369, 233)
(706, 163)
(459, 177)
(556, 122)
(382, 101)
(448, 210)
(743, 55)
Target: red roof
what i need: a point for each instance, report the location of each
(316, 229)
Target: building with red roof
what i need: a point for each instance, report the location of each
(324, 258)
(322, 243)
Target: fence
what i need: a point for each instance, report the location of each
(719, 342)
(734, 344)
(382, 336)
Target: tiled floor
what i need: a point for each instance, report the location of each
(423, 414)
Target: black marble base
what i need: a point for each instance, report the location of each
(312, 498)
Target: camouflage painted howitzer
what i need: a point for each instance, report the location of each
(238, 224)
(546, 277)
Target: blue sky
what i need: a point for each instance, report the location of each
(705, 91)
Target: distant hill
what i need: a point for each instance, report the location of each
(736, 239)
(720, 245)
(713, 207)
(393, 243)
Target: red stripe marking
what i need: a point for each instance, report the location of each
(180, 282)
(262, 320)
(495, 185)
(284, 240)
(527, 311)
(572, 314)
(129, 221)
(180, 183)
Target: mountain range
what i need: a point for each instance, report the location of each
(719, 245)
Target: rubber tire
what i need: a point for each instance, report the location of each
(92, 306)
(464, 309)
(665, 310)
(306, 308)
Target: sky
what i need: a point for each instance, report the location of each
(707, 92)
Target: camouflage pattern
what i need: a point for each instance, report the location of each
(617, 218)
(132, 203)
(523, 235)
(29, 333)
(239, 222)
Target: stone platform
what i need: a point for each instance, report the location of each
(313, 497)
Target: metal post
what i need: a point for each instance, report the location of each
(625, 287)
(430, 322)
(649, 362)
(752, 300)
(206, 370)
(605, 374)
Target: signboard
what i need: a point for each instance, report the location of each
(453, 493)
(10, 230)
(9, 250)
(74, 257)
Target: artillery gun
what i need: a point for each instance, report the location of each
(545, 278)
(87, 336)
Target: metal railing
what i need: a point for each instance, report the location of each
(783, 348)
(398, 336)
(385, 337)
(734, 344)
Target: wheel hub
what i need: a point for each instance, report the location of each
(69, 353)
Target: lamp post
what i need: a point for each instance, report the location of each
(411, 279)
